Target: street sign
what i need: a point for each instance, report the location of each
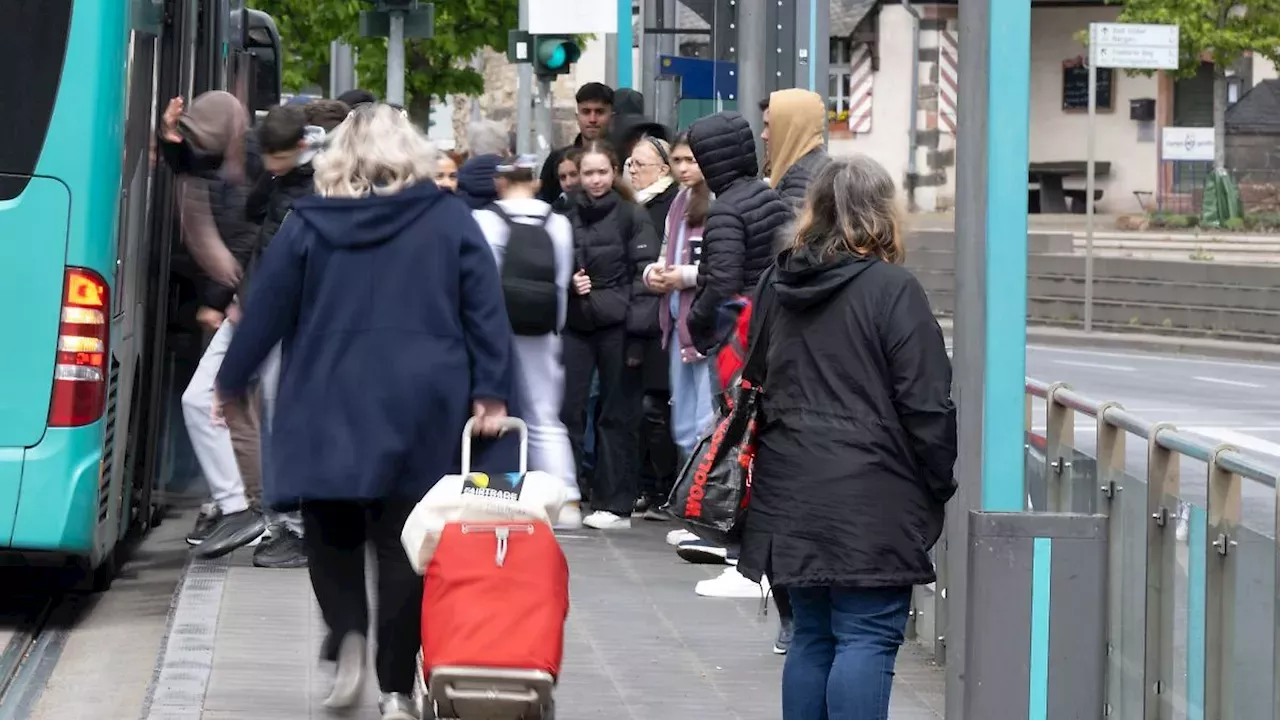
(1186, 143)
(572, 17)
(1134, 47)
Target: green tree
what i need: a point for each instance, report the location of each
(1216, 31)
(436, 67)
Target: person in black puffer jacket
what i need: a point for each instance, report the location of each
(739, 240)
(610, 313)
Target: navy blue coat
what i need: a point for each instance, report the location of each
(391, 313)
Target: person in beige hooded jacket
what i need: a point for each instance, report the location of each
(795, 124)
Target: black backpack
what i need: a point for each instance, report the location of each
(529, 276)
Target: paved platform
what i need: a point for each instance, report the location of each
(243, 642)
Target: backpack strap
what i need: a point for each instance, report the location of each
(496, 209)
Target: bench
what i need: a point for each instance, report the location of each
(1050, 197)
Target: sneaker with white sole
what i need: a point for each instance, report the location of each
(601, 520)
(398, 706)
(570, 517)
(348, 681)
(731, 584)
(675, 537)
(701, 552)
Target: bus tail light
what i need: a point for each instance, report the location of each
(80, 374)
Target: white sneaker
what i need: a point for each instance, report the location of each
(731, 584)
(601, 520)
(349, 679)
(570, 517)
(675, 537)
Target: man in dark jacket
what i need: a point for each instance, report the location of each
(738, 242)
(794, 134)
(288, 144)
(595, 112)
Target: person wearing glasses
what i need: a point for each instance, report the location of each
(649, 173)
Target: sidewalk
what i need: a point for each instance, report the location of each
(639, 645)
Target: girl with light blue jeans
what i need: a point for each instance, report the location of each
(676, 275)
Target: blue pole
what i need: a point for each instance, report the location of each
(626, 39)
(1008, 120)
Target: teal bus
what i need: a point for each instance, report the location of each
(87, 236)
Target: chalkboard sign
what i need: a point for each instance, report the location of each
(1075, 88)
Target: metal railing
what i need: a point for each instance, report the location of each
(1193, 597)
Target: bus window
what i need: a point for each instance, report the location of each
(33, 44)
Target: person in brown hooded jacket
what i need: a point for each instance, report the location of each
(794, 133)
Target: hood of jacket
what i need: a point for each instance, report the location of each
(476, 181)
(630, 124)
(725, 149)
(368, 221)
(797, 121)
(805, 280)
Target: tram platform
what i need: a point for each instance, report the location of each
(242, 642)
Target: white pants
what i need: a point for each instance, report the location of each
(540, 380)
(269, 378)
(212, 445)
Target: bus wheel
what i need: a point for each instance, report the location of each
(100, 578)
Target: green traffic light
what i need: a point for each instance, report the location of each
(552, 54)
(555, 54)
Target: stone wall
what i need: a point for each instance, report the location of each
(498, 102)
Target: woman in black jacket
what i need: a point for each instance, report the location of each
(649, 169)
(610, 313)
(857, 441)
(739, 240)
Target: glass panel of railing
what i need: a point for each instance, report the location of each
(1127, 611)
(1037, 482)
(1254, 619)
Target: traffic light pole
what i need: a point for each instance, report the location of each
(524, 92)
(542, 120)
(395, 59)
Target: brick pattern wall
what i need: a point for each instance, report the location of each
(939, 84)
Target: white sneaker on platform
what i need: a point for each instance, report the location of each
(348, 682)
(570, 517)
(731, 584)
(601, 520)
(675, 537)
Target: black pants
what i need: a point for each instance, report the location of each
(336, 532)
(614, 480)
(658, 463)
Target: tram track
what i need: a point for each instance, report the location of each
(32, 651)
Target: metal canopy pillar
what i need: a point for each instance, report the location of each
(812, 45)
(990, 321)
(754, 58)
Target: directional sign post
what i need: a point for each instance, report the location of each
(1124, 47)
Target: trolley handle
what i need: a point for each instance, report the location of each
(510, 423)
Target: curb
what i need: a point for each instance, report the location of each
(1165, 345)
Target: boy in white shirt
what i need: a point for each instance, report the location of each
(537, 301)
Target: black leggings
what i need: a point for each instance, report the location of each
(336, 533)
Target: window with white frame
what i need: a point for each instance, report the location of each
(839, 79)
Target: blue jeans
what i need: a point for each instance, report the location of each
(691, 396)
(840, 665)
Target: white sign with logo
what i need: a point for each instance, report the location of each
(573, 17)
(1186, 143)
(1134, 47)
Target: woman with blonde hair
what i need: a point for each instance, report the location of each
(386, 297)
(857, 440)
